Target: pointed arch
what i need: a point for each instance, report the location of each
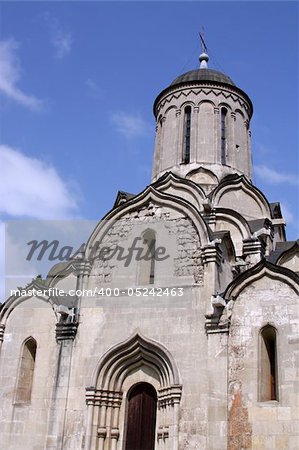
(185, 188)
(105, 399)
(290, 258)
(161, 199)
(202, 176)
(262, 269)
(20, 296)
(250, 198)
(117, 363)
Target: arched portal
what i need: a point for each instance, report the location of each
(107, 424)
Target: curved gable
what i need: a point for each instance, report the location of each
(290, 258)
(23, 295)
(203, 177)
(261, 270)
(180, 187)
(155, 204)
(244, 196)
(230, 220)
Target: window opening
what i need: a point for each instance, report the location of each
(268, 364)
(187, 135)
(223, 135)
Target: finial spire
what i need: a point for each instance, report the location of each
(203, 57)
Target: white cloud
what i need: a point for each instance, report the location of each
(10, 71)
(31, 188)
(61, 39)
(130, 125)
(271, 176)
(62, 42)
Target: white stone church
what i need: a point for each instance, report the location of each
(190, 339)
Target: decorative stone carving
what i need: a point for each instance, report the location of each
(104, 400)
(2, 329)
(212, 253)
(66, 331)
(66, 328)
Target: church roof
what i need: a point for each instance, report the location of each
(280, 248)
(203, 75)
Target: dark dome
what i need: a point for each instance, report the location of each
(203, 75)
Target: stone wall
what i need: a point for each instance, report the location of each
(254, 424)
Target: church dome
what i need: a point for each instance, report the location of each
(199, 75)
(203, 126)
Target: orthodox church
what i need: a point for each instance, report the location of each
(190, 337)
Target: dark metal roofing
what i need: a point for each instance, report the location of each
(122, 197)
(275, 210)
(203, 75)
(280, 248)
(209, 76)
(257, 224)
(220, 234)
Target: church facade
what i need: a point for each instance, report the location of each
(190, 337)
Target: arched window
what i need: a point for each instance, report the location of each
(268, 389)
(223, 134)
(141, 417)
(25, 372)
(187, 135)
(147, 263)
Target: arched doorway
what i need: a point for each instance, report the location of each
(104, 397)
(141, 417)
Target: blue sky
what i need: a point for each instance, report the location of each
(78, 81)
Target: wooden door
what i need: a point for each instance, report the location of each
(141, 418)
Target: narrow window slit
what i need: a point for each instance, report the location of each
(187, 135)
(223, 135)
(147, 264)
(25, 372)
(268, 365)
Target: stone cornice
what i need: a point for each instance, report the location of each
(211, 253)
(66, 331)
(103, 397)
(206, 87)
(169, 395)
